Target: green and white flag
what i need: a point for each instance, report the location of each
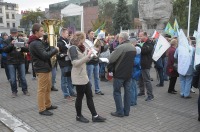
(197, 50)
(161, 46)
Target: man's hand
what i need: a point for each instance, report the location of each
(13, 41)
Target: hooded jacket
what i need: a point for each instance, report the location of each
(14, 56)
(40, 55)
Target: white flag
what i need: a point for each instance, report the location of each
(198, 30)
(197, 50)
(195, 34)
(161, 46)
(184, 58)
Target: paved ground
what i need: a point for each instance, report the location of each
(167, 113)
(3, 128)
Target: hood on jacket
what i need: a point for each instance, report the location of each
(32, 38)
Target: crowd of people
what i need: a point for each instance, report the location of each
(129, 63)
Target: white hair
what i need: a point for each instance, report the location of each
(124, 35)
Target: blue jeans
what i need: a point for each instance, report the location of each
(12, 71)
(185, 84)
(102, 67)
(134, 92)
(117, 84)
(199, 104)
(4, 63)
(66, 82)
(53, 71)
(94, 69)
(165, 69)
(161, 76)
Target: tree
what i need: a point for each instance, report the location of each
(121, 17)
(30, 17)
(180, 12)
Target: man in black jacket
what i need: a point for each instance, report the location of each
(16, 62)
(65, 65)
(146, 61)
(122, 58)
(42, 66)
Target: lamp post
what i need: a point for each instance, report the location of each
(188, 31)
(39, 19)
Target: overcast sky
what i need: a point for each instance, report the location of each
(33, 4)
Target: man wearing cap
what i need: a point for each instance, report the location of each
(16, 62)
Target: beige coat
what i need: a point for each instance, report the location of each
(79, 73)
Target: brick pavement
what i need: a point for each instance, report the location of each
(167, 113)
(3, 128)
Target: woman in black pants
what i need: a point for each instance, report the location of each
(79, 57)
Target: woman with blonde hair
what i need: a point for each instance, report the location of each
(171, 68)
(79, 76)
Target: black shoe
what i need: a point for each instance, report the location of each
(188, 97)
(46, 113)
(82, 119)
(151, 79)
(98, 119)
(52, 107)
(116, 114)
(140, 94)
(175, 91)
(149, 99)
(103, 79)
(74, 95)
(172, 92)
(158, 85)
(54, 89)
(199, 119)
(99, 93)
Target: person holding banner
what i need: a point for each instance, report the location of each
(171, 68)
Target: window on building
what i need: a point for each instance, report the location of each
(8, 24)
(1, 20)
(7, 16)
(0, 10)
(13, 24)
(7, 7)
(13, 16)
(13, 7)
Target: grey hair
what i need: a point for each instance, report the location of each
(124, 35)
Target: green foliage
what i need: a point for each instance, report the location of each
(180, 12)
(121, 17)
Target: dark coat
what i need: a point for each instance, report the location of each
(14, 56)
(61, 57)
(170, 63)
(196, 77)
(41, 55)
(146, 54)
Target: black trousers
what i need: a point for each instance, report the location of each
(172, 82)
(81, 90)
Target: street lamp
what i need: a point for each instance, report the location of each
(39, 19)
(188, 31)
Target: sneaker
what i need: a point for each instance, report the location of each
(187, 97)
(158, 85)
(141, 94)
(99, 93)
(14, 95)
(52, 107)
(46, 113)
(82, 119)
(192, 90)
(26, 93)
(69, 98)
(54, 89)
(98, 119)
(149, 99)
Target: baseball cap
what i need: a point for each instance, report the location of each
(13, 30)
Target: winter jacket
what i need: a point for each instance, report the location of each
(62, 57)
(137, 67)
(170, 63)
(40, 55)
(122, 60)
(14, 56)
(146, 54)
(78, 74)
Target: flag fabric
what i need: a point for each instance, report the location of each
(169, 30)
(195, 34)
(99, 29)
(176, 28)
(198, 30)
(184, 57)
(197, 50)
(155, 35)
(161, 46)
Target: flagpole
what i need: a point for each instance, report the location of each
(188, 32)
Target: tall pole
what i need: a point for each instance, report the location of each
(188, 32)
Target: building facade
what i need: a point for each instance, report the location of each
(9, 16)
